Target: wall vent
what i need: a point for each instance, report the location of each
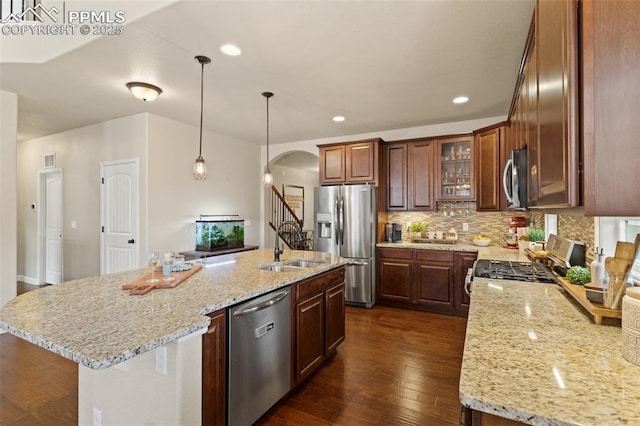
(49, 161)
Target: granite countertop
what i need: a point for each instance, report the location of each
(492, 251)
(93, 322)
(532, 354)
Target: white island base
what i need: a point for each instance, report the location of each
(138, 394)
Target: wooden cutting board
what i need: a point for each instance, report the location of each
(140, 285)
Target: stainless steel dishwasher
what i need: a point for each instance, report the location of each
(259, 355)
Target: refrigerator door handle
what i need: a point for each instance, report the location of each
(341, 220)
(337, 227)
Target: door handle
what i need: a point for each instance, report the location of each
(131, 241)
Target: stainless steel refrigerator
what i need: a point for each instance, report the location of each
(346, 225)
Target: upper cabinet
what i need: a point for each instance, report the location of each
(553, 166)
(610, 33)
(409, 172)
(454, 169)
(489, 158)
(350, 163)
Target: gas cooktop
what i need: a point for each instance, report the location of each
(517, 271)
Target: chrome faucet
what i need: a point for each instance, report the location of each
(277, 251)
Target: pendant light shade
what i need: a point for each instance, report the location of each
(267, 177)
(200, 167)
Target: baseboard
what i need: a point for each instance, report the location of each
(28, 280)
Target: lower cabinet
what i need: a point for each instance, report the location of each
(319, 321)
(423, 279)
(214, 382)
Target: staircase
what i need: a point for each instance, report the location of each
(281, 212)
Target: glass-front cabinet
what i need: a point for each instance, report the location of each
(455, 169)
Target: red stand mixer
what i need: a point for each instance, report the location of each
(512, 237)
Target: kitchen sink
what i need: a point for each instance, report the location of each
(305, 263)
(295, 265)
(282, 268)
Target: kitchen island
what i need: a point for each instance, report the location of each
(95, 323)
(533, 355)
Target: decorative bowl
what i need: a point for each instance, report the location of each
(482, 243)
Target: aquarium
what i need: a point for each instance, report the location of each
(212, 235)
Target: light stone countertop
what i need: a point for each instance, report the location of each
(492, 251)
(93, 322)
(532, 354)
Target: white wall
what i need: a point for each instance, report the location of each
(8, 195)
(79, 153)
(176, 200)
(458, 127)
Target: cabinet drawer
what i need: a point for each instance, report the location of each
(396, 253)
(435, 255)
(318, 284)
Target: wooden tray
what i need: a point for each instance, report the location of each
(595, 309)
(434, 240)
(140, 285)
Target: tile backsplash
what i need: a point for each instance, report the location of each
(572, 223)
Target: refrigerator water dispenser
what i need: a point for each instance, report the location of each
(324, 225)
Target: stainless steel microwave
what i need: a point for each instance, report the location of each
(514, 180)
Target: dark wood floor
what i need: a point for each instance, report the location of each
(396, 367)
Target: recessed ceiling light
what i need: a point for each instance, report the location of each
(230, 49)
(460, 100)
(338, 118)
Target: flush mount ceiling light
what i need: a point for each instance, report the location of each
(460, 100)
(338, 119)
(144, 91)
(267, 177)
(230, 49)
(200, 168)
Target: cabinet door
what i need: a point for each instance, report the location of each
(394, 279)
(464, 261)
(396, 159)
(530, 80)
(332, 164)
(334, 300)
(213, 371)
(434, 284)
(556, 46)
(454, 174)
(421, 176)
(310, 331)
(488, 170)
(611, 128)
(362, 161)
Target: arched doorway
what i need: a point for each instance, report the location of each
(295, 172)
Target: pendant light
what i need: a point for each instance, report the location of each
(200, 167)
(267, 178)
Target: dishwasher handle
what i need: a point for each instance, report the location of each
(262, 305)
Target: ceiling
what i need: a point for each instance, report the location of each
(382, 64)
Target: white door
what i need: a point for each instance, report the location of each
(53, 229)
(119, 216)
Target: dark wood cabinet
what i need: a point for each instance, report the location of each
(350, 163)
(553, 152)
(464, 261)
(610, 124)
(421, 279)
(420, 175)
(332, 164)
(409, 171)
(319, 321)
(396, 155)
(214, 370)
(434, 278)
(454, 175)
(310, 329)
(490, 158)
